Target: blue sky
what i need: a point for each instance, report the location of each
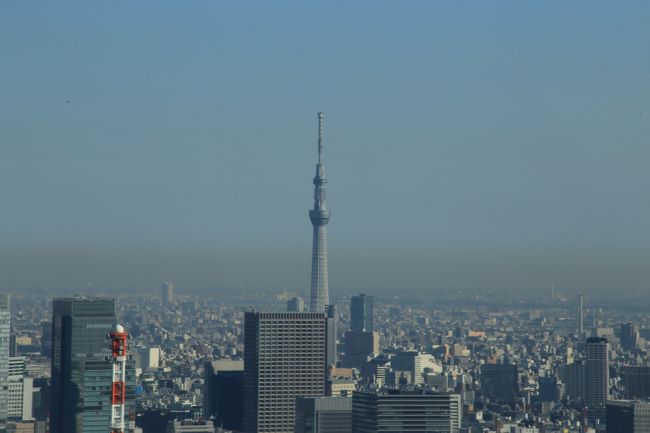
(468, 144)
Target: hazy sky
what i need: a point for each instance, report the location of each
(469, 144)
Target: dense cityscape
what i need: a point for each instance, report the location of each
(271, 361)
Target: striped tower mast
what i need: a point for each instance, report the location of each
(319, 217)
(118, 388)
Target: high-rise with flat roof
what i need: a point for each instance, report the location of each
(323, 415)
(284, 358)
(628, 416)
(224, 393)
(397, 411)
(5, 317)
(361, 313)
(81, 367)
(499, 382)
(596, 373)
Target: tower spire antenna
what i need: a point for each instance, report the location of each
(321, 117)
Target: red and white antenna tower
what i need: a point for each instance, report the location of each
(118, 389)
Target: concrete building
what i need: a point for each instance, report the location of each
(397, 411)
(319, 217)
(224, 393)
(189, 426)
(296, 305)
(636, 382)
(629, 336)
(628, 416)
(167, 293)
(149, 357)
(597, 373)
(5, 317)
(573, 377)
(20, 392)
(284, 358)
(499, 382)
(361, 313)
(323, 415)
(358, 347)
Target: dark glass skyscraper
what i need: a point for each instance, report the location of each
(361, 312)
(597, 373)
(81, 370)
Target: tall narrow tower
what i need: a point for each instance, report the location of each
(319, 217)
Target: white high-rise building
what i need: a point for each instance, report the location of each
(5, 318)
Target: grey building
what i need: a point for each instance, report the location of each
(323, 415)
(5, 317)
(361, 313)
(224, 393)
(331, 335)
(296, 305)
(628, 416)
(167, 293)
(573, 377)
(397, 411)
(636, 380)
(284, 358)
(81, 367)
(499, 382)
(596, 373)
(629, 336)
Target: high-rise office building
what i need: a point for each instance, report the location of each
(5, 317)
(224, 393)
(296, 305)
(499, 382)
(167, 293)
(361, 313)
(284, 358)
(81, 365)
(359, 346)
(629, 336)
(319, 217)
(581, 328)
(397, 411)
(628, 416)
(330, 311)
(323, 415)
(636, 382)
(596, 373)
(20, 393)
(573, 377)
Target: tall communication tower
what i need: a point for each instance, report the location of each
(118, 388)
(319, 216)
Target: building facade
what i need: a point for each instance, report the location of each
(628, 416)
(224, 393)
(5, 317)
(284, 358)
(361, 313)
(397, 411)
(597, 373)
(81, 365)
(323, 415)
